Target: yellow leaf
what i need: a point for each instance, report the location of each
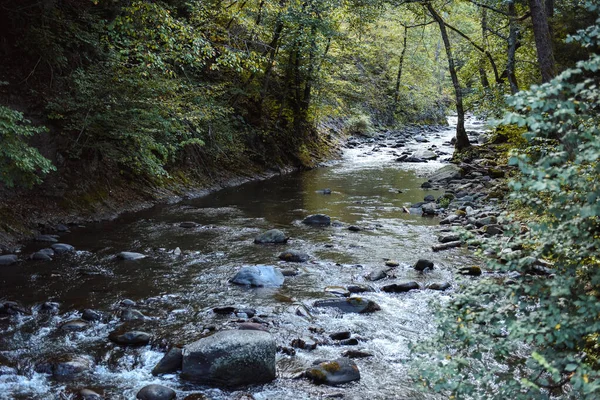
(557, 327)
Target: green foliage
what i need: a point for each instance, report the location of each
(532, 331)
(20, 164)
(359, 124)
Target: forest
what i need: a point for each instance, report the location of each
(107, 105)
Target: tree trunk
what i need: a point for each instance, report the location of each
(462, 140)
(400, 64)
(513, 37)
(485, 83)
(543, 39)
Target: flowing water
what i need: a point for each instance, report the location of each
(177, 292)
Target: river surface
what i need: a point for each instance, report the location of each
(176, 293)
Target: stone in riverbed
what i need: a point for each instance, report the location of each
(350, 305)
(156, 392)
(131, 338)
(12, 308)
(304, 343)
(294, 256)
(426, 185)
(392, 263)
(60, 248)
(472, 271)
(75, 325)
(43, 255)
(446, 173)
(170, 363)
(335, 372)
(377, 274)
(359, 288)
(272, 236)
(356, 354)
(8, 259)
(452, 237)
(337, 291)
(340, 335)
(429, 198)
(317, 219)
(258, 276)
(91, 315)
(401, 287)
(88, 394)
(132, 315)
(188, 224)
(46, 238)
(66, 367)
(425, 155)
(423, 264)
(130, 256)
(441, 286)
(230, 359)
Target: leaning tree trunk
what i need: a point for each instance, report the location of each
(462, 140)
(543, 39)
(513, 37)
(400, 64)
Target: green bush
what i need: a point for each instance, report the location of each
(533, 332)
(359, 124)
(20, 164)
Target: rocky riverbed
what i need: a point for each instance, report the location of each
(310, 285)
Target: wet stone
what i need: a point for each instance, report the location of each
(131, 338)
(75, 325)
(401, 287)
(273, 236)
(91, 315)
(335, 372)
(188, 224)
(356, 354)
(127, 303)
(130, 256)
(8, 259)
(348, 342)
(294, 256)
(170, 363)
(340, 335)
(50, 307)
(354, 228)
(337, 291)
(392, 263)
(224, 310)
(12, 308)
(452, 237)
(46, 238)
(304, 343)
(42, 255)
(423, 264)
(350, 305)
(359, 288)
(88, 394)
(61, 248)
(259, 276)
(156, 392)
(132, 315)
(318, 220)
(441, 286)
(378, 274)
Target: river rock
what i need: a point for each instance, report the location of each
(486, 221)
(42, 255)
(46, 238)
(493, 229)
(426, 185)
(127, 303)
(451, 237)
(472, 271)
(359, 288)
(378, 274)
(12, 308)
(129, 256)
(446, 173)
(441, 286)
(188, 224)
(61, 248)
(50, 307)
(340, 335)
(258, 276)
(88, 394)
(74, 325)
(170, 363)
(294, 256)
(156, 392)
(8, 259)
(231, 358)
(392, 263)
(324, 191)
(66, 367)
(337, 291)
(132, 315)
(429, 208)
(400, 287)
(429, 198)
(317, 219)
(304, 343)
(356, 354)
(91, 315)
(425, 154)
(336, 372)
(350, 305)
(131, 338)
(274, 236)
(423, 264)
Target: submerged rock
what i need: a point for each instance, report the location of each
(423, 264)
(12, 308)
(170, 363)
(401, 287)
(8, 259)
(46, 238)
(273, 236)
(91, 315)
(317, 219)
(231, 358)
(336, 372)
(60, 248)
(294, 256)
(131, 338)
(356, 354)
(350, 305)
(188, 224)
(439, 286)
(75, 325)
(258, 276)
(88, 394)
(129, 256)
(156, 392)
(66, 367)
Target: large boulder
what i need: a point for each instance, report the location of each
(446, 173)
(258, 276)
(317, 219)
(231, 358)
(274, 236)
(350, 305)
(336, 372)
(170, 363)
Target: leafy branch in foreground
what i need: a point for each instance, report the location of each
(533, 329)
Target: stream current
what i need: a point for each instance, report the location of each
(177, 293)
